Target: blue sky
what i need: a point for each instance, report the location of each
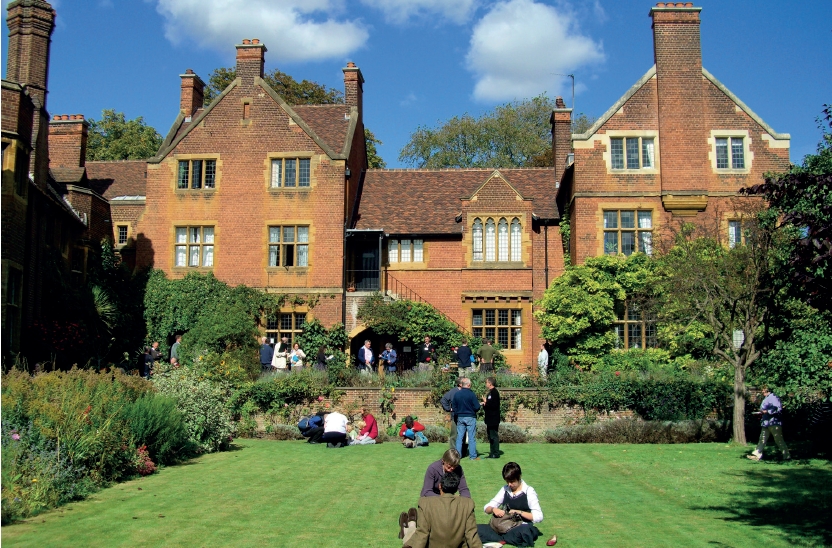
(425, 61)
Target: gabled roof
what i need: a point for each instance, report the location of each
(427, 201)
(330, 126)
(115, 179)
(650, 74)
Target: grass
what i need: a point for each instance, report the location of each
(295, 494)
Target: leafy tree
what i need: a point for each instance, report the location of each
(511, 135)
(293, 92)
(730, 290)
(577, 312)
(374, 161)
(115, 138)
(801, 203)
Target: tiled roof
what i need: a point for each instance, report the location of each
(330, 122)
(421, 201)
(122, 178)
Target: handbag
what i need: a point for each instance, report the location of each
(505, 523)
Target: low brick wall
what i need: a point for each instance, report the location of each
(411, 401)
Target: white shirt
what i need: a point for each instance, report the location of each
(335, 422)
(542, 359)
(531, 495)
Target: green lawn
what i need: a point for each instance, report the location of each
(295, 494)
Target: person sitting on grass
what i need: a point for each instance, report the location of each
(411, 433)
(335, 430)
(446, 520)
(515, 497)
(437, 470)
(369, 432)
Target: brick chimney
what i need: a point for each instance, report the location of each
(68, 140)
(561, 121)
(678, 57)
(192, 93)
(354, 87)
(30, 23)
(250, 60)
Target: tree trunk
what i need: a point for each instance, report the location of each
(739, 403)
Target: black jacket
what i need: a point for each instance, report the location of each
(492, 408)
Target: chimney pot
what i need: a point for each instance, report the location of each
(246, 41)
(56, 117)
(351, 64)
(189, 71)
(255, 41)
(660, 5)
(64, 116)
(688, 4)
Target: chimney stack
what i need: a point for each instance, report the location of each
(192, 93)
(679, 81)
(250, 60)
(30, 23)
(561, 121)
(354, 87)
(68, 140)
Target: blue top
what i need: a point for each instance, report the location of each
(771, 408)
(463, 354)
(465, 403)
(266, 354)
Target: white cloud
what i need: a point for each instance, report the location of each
(401, 11)
(409, 99)
(518, 47)
(292, 30)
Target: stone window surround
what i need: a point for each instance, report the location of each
(176, 158)
(314, 164)
(410, 265)
(288, 222)
(193, 224)
(525, 240)
(748, 155)
(604, 139)
(623, 206)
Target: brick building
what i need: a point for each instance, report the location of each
(676, 147)
(257, 191)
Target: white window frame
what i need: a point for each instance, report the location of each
(194, 246)
(648, 151)
(301, 173)
(405, 251)
(280, 247)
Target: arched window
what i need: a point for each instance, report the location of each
(476, 233)
(490, 240)
(515, 239)
(502, 240)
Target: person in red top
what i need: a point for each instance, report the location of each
(410, 433)
(368, 434)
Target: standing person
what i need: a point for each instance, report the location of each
(447, 404)
(174, 350)
(491, 404)
(266, 354)
(486, 354)
(366, 358)
(463, 356)
(281, 353)
(466, 405)
(427, 355)
(389, 357)
(446, 520)
(155, 352)
(515, 497)
(335, 430)
(543, 360)
(296, 357)
(449, 463)
(772, 424)
(321, 359)
(368, 434)
(147, 364)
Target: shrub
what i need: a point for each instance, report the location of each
(437, 434)
(300, 388)
(236, 366)
(203, 405)
(509, 433)
(142, 463)
(159, 426)
(283, 432)
(637, 431)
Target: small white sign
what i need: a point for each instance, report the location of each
(406, 349)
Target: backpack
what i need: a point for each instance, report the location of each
(303, 424)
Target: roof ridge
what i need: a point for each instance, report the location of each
(457, 169)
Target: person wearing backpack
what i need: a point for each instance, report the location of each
(312, 427)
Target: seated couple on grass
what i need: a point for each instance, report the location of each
(445, 518)
(412, 433)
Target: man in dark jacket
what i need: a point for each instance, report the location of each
(491, 405)
(427, 355)
(465, 406)
(447, 404)
(463, 356)
(266, 355)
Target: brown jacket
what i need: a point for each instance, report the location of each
(446, 521)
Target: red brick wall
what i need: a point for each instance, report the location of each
(411, 401)
(67, 141)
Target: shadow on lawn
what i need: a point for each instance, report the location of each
(789, 497)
